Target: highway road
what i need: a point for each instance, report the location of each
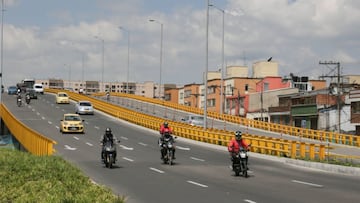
(201, 172)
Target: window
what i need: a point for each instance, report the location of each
(211, 89)
(355, 107)
(266, 86)
(211, 102)
(187, 93)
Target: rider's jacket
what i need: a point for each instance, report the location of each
(234, 145)
(162, 129)
(106, 138)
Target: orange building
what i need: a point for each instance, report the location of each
(191, 95)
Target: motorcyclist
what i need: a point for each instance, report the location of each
(18, 97)
(27, 98)
(108, 136)
(107, 95)
(164, 126)
(166, 135)
(235, 144)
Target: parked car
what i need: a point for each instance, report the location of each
(194, 120)
(84, 107)
(39, 88)
(62, 98)
(12, 90)
(71, 123)
(32, 93)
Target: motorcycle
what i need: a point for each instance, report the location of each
(109, 154)
(18, 101)
(27, 99)
(239, 162)
(168, 149)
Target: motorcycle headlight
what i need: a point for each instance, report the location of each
(169, 145)
(242, 154)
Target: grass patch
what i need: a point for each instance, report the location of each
(28, 178)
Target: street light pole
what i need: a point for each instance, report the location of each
(102, 60)
(161, 52)
(128, 58)
(2, 58)
(222, 59)
(206, 64)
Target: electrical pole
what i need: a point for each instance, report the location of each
(338, 88)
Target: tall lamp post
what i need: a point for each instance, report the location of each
(206, 64)
(102, 59)
(2, 58)
(128, 58)
(161, 52)
(222, 58)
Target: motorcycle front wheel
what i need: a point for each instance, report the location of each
(170, 155)
(245, 172)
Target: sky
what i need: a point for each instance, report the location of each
(67, 39)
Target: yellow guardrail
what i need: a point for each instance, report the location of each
(327, 136)
(31, 140)
(260, 144)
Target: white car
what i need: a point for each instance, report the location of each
(39, 88)
(194, 120)
(84, 107)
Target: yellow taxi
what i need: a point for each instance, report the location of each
(72, 123)
(62, 98)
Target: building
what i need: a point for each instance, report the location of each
(354, 98)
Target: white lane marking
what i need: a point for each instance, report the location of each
(63, 110)
(97, 127)
(42, 117)
(250, 201)
(76, 138)
(195, 183)
(183, 148)
(126, 148)
(127, 159)
(87, 123)
(57, 107)
(32, 109)
(124, 138)
(143, 144)
(88, 143)
(156, 170)
(69, 148)
(196, 159)
(50, 122)
(57, 127)
(37, 113)
(307, 183)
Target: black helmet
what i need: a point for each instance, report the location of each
(238, 134)
(108, 131)
(166, 124)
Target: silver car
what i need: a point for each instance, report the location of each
(194, 120)
(84, 107)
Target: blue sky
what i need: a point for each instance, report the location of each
(48, 39)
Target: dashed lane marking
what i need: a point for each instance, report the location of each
(198, 184)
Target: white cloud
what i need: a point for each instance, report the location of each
(297, 34)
